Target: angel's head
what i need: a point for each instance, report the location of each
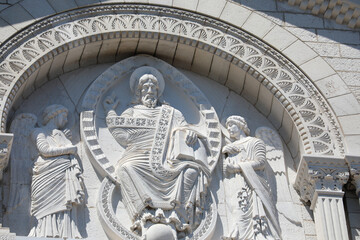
(236, 124)
(57, 113)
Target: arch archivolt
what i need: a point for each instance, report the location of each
(41, 45)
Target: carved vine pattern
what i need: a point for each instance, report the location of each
(310, 112)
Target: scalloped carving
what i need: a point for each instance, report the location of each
(315, 131)
(297, 100)
(320, 147)
(307, 115)
(251, 54)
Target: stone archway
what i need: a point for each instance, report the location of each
(210, 47)
(229, 55)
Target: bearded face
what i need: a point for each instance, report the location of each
(149, 91)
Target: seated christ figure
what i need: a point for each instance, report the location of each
(163, 171)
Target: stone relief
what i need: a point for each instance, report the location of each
(154, 139)
(56, 182)
(288, 84)
(163, 172)
(166, 163)
(255, 186)
(253, 211)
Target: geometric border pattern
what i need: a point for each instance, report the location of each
(309, 110)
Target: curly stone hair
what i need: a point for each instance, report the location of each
(240, 122)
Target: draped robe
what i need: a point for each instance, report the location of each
(249, 200)
(56, 187)
(151, 177)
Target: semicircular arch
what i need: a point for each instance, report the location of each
(210, 47)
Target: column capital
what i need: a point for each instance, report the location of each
(6, 140)
(354, 164)
(324, 175)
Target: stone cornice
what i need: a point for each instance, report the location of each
(323, 175)
(345, 12)
(354, 165)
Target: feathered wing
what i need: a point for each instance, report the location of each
(275, 173)
(22, 154)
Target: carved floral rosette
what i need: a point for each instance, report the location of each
(93, 102)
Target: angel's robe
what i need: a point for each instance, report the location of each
(248, 194)
(56, 186)
(154, 174)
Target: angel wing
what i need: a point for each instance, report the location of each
(276, 173)
(21, 157)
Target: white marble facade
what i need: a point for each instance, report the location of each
(154, 121)
(225, 102)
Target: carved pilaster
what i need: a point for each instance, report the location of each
(6, 140)
(354, 165)
(320, 180)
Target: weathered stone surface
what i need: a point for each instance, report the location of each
(295, 73)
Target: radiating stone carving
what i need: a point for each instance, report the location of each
(304, 103)
(163, 172)
(250, 204)
(56, 187)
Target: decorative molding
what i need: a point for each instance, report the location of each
(354, 165)
(26, 52)
(6, 140)
(345, 12)
(320, 174)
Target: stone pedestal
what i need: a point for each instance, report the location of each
(320, 181)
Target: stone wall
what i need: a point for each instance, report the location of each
(337, 44)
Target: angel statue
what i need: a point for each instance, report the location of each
(57, 186)
(249, 202)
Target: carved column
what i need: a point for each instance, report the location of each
(354, 165)
(320, 180)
